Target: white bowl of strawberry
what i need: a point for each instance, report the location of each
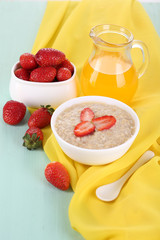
(44, 78)
(95, 130)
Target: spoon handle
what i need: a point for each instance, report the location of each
(110, 192)
(142, 160)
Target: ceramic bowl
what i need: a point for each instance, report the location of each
(34, 94)
(94, 156)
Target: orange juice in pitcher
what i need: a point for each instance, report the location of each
(109, 71)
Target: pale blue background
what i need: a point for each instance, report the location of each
(30, 208)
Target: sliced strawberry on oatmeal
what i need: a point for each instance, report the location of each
(104, 122)
(84, 128)
(86, 115)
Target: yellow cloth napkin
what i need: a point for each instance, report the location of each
(135, 214)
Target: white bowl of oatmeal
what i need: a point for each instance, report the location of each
(98, 147)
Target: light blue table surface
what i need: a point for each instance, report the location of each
(30, 208)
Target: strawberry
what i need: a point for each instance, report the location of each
(22, 74)
(84, 128)
(86, 115)
(49, 57)
(57, 175)
(43, 74)
(104, 122)
(41, 117)
(27, 61)
(63, 74)
(67, 64)
(33, 138)
(13, 112)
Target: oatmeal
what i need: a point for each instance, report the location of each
(119, 133)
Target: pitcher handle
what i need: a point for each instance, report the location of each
(145, 53)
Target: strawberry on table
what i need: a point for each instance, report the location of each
(84, 128)
(22, 74)
(57, 175)
(63, 74)
(104, 122)
(43, 74)
(33, 138)
(49, 57)
(13, 112)
(41, 117)
(27, 61)
(86, 115)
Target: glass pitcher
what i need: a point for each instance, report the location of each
(109, 71)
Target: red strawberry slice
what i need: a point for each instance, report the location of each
(84, 128)
(104, 122)
(86, 115)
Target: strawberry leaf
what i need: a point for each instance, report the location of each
(49, 108)
(32, 142)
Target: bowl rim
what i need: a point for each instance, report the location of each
(91, 99)
(41, 83)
